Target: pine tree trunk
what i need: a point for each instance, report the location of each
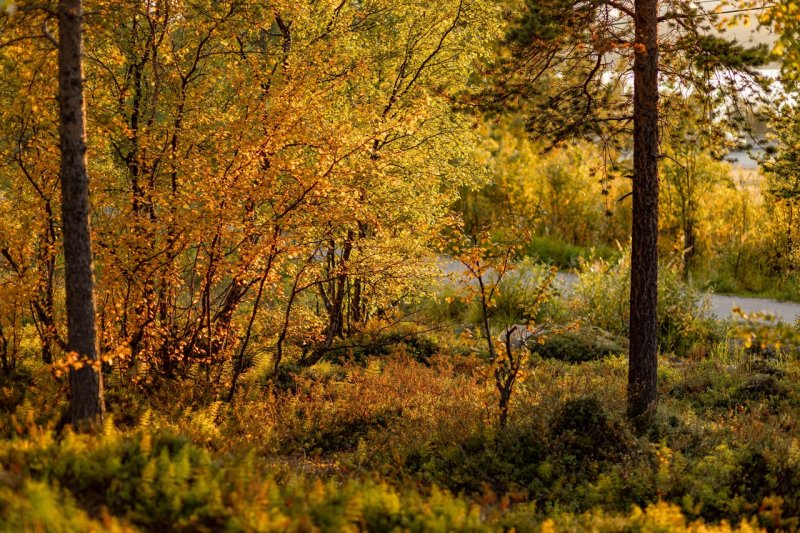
(643, 360)
(86, 388)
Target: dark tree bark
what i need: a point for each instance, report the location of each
(86, 387)
(689, 243)
(643, 359)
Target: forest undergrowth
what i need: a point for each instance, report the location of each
(222, 224)
(401, 433)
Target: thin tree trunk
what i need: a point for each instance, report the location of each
(4, 352)
(789, 239)
(643, 360)
(86, 387)
(688, 248)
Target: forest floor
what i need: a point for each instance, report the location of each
(399, 428)
(403, 436)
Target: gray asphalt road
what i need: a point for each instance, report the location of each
(784, 311)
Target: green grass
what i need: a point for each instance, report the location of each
(555, 251)
(783, 289)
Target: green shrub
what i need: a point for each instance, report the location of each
(602, 299)
(159, 482)
(757, 279)
(359, 348)
(583, 433)
(364, 447)
(36, 506)
(511, 304)
(579, 345)
(507, 461)
(759, 387)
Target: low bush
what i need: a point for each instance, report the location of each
(454, 303)
(390, 443)
(582, 344)
(602, 299)
(417, 345)
(583, 430)
(158, 482)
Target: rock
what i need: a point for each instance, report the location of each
(519, 334)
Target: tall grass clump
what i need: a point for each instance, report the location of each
(601, 298)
